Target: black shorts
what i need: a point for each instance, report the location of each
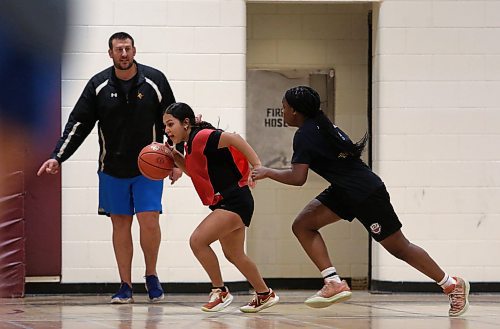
(239, 201)
(375, 213)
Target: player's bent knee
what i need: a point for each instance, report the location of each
(197, 243)
(299, 226)
(230, 258)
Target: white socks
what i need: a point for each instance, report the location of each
(447, 281)
(330, 274)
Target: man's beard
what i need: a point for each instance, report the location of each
(121, 68)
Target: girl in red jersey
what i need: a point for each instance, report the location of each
(217, 163)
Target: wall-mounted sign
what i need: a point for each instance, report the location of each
(266, 130)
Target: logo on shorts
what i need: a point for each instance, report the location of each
(375, 228)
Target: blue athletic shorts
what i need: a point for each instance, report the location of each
(127, 196)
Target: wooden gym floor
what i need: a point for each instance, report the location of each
(362, 311)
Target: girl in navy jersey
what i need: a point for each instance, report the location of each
(355, 191)
(217, 163)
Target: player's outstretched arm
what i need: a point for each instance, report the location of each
(297, 175)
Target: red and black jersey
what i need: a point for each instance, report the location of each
(214, 171)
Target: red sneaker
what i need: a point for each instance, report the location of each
(219, 300)
(259, 302)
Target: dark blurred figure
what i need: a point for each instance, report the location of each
(31, 39)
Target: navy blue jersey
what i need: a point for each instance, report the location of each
(350, 176)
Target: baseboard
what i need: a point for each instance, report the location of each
(44, 288)
(427, 287)
(295, 283)
(312, 283)
(47, 288)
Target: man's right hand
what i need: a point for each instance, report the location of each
(50, 166)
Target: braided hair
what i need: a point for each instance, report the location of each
(306, 100)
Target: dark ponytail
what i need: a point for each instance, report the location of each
(306, 100)
(182, 111)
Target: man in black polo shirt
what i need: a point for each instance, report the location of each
(127, 100)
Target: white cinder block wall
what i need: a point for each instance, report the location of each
(436, 107)
(437, 115)
(200, 46)
(309, 36)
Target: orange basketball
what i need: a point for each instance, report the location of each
(154, 163)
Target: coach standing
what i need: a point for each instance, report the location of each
(127, 100)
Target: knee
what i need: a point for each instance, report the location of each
(398, 246)
(399, 254)
(230, 257)
(149, 221)
(402, 252)
(296, 228)
(299, 226)
(150, 226)
(121, 223)
(195, 242)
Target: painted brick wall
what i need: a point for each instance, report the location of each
(436, 70)
(200, 46)
(437, 110)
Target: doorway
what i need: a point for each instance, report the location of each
(305, 37)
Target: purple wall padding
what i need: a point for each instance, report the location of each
(42, 213)
(12, 231)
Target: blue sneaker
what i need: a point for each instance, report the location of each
(154, 289)
(123, 296)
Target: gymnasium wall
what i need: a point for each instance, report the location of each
(436, 114)
(204, 58)
(200, 46)
(436, 106)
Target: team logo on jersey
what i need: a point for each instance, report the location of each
(375, 228)
(114, 95)
(140, 95)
